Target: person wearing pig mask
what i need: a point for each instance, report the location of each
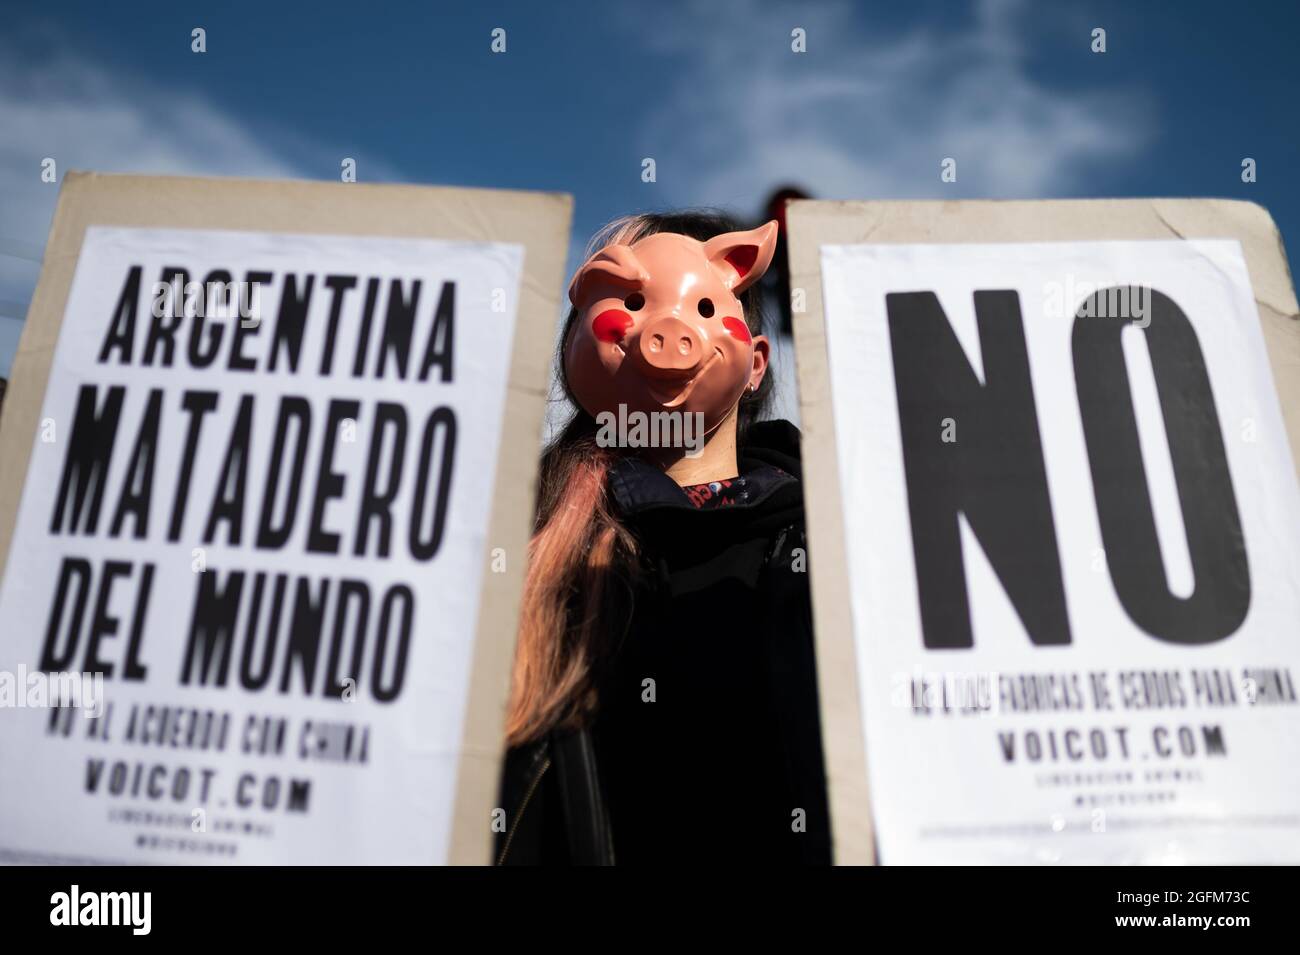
(664, 699)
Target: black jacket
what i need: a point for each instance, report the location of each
(706, 745)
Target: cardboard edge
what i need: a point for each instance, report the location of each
(843, 742)
(483, 744)
(30, 372)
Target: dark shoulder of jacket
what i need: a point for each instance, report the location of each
(525, 835)
(775, 442)
(554, 807)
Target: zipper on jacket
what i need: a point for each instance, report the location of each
(519, 816)
(775, 552)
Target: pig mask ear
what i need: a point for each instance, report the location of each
(741, 258)
(617, 263)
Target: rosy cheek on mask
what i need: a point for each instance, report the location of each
(611, 325)
(737, 329)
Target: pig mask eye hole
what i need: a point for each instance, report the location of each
(706, 308)
(634, 302)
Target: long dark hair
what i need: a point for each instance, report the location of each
(577, 594)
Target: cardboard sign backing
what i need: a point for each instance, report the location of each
(471, 408)
(885, 263)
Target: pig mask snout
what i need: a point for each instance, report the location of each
(671, 348)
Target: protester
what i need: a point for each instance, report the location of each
(664, 704)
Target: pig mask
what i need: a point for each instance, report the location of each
(659, 326)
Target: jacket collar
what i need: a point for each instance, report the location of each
(638, 486)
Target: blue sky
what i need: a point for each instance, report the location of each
(711, 91)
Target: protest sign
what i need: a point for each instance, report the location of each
(1055, 528)
(265, 493)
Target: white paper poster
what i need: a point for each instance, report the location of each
(1073, 541)
(255, 517)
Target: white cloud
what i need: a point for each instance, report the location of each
(85, 117)
(862, 115)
